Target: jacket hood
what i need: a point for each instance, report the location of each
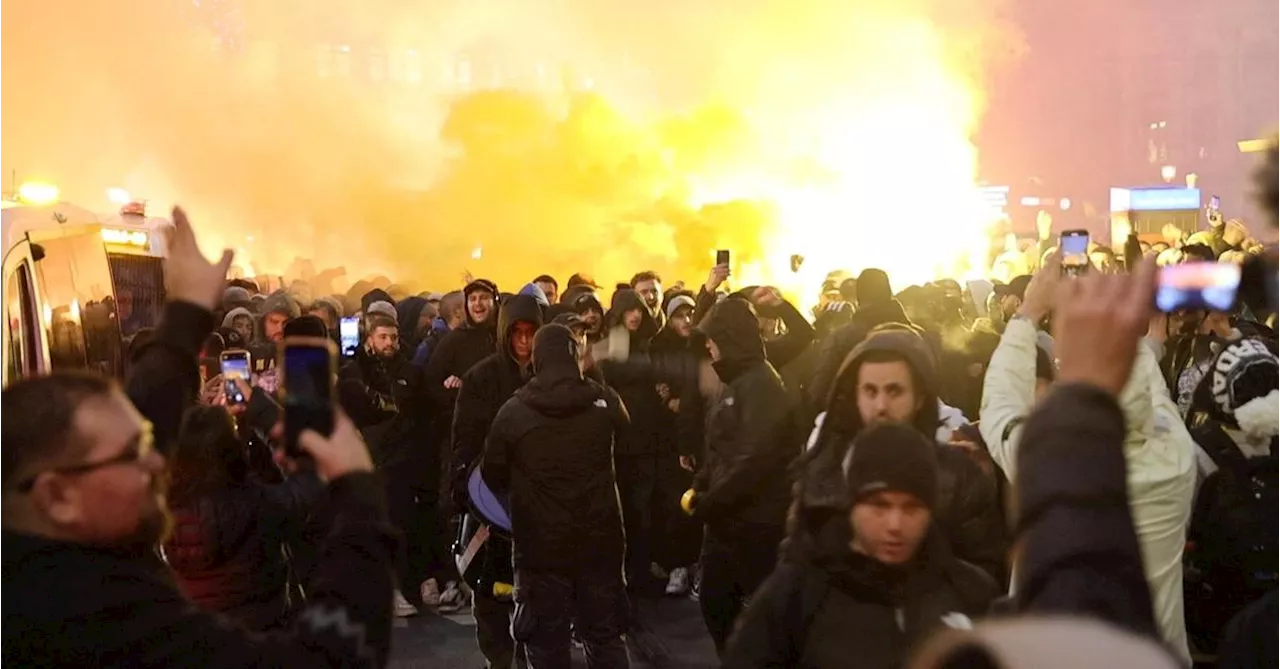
(873, 287)
(880, 313)
(822, 467)
(375, 295)
(407, 313)
(557, 388)
(587, 301)
(279, 302)
(629, 300)
(230, 318)
(572, 293)
(733, 326)
(518, 308)
(535, 291)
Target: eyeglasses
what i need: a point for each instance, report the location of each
(133, 454)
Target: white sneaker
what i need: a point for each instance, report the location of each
(402, 607)
(431, 593)
(452, 600)
(678, 582)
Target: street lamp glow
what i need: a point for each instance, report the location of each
(1168, 173)
(36, 192)
(119, 196)
(1064, 203)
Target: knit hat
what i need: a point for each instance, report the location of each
(306, 326)
(381, 307)
(893, 457)
(676, 302)
(872, 287)
(233, 297)
(377, 295)
(279, 302)
(1243, 382)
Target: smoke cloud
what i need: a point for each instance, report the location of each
(514, 138)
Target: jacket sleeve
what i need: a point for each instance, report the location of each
(495, 465)
(781, 352)
(831, 354)
(346, 621)
(471, 419)
(762, 635)
(763, 407)
(354, 398)
(1008, 393)
(980, 534)
(437, 371)
(702, 304)
(164, 381)
(1080, 554)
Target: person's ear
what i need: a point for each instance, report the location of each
(57, 498)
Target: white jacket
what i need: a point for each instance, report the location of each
(1159, 454)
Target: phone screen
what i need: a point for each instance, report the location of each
(349, 332)
(235, 367)
(307, 391)
(1198, 285)
(1074, 245)
(722, 257)
(1214, 203)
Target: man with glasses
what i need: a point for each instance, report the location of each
(83, 506)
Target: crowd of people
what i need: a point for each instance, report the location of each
(1042, 472)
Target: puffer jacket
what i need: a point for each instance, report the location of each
(1160, 459)
(969, 514)
(227, 548)
(643, 435)
(825, 612)
(752, 433)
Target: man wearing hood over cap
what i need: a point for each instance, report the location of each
(891, 377)
(551, 450)
(742, 490)
(484, 389)
(463, 347)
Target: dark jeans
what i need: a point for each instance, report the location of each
(493, 632)
(657, 530)
(735, 561)
(412, 504)
(592, 600)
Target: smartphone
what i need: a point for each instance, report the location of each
(349, 334)
(235, 365)
(1202, 285)
(722, 257)
(307, 366)
(1074, 246)
(1214, 203)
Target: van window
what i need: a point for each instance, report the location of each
(81, 315)
(20, 318)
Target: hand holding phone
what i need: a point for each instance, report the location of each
(342, 452)
(1073, 245)
(349, 334)
(1198, 286)
(307, 367)
(235, 365)
(722, 257)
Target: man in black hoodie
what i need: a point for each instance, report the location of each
(459, 350)
(884, 580)
(743, 488)
(876, 306)
(484, 389)
(891, 377)
(551, 449)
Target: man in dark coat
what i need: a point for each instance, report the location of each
(884, 579)
(551, 449)
(484, 389)
(891, 377)
(743, 488)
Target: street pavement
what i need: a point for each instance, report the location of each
(449, 642)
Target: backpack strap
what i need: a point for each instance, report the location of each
(803, 606)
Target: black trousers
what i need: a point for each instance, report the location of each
(413, 507)
(591, 600)
(736, 559)
(493, 632)
(657, 530)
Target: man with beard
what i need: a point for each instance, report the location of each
(649, 286)
(83, 508)
(551, 449)
(891, 377)
(483, 391)
(741, 492)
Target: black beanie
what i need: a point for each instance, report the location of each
(306, 326)
(872, 287)
(1243, 384)
(893, 457)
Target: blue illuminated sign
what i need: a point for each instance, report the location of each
(1155, 199)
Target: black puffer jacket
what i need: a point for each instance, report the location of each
(486, 387)
(388, 401)
(969, 514)
(456, 353)
(227, 548)
(752, 434)
(551, 448)
(844, 605)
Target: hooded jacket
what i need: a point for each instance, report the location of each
(833, 350)
(487, 386)
(638, 392)
(458, 351)
(407, 313)
(851, 606)
(551, 449)
(229, 320)
(751, 431)
(376, 295)
(969, 514)
(535, 291)
(387, 402)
